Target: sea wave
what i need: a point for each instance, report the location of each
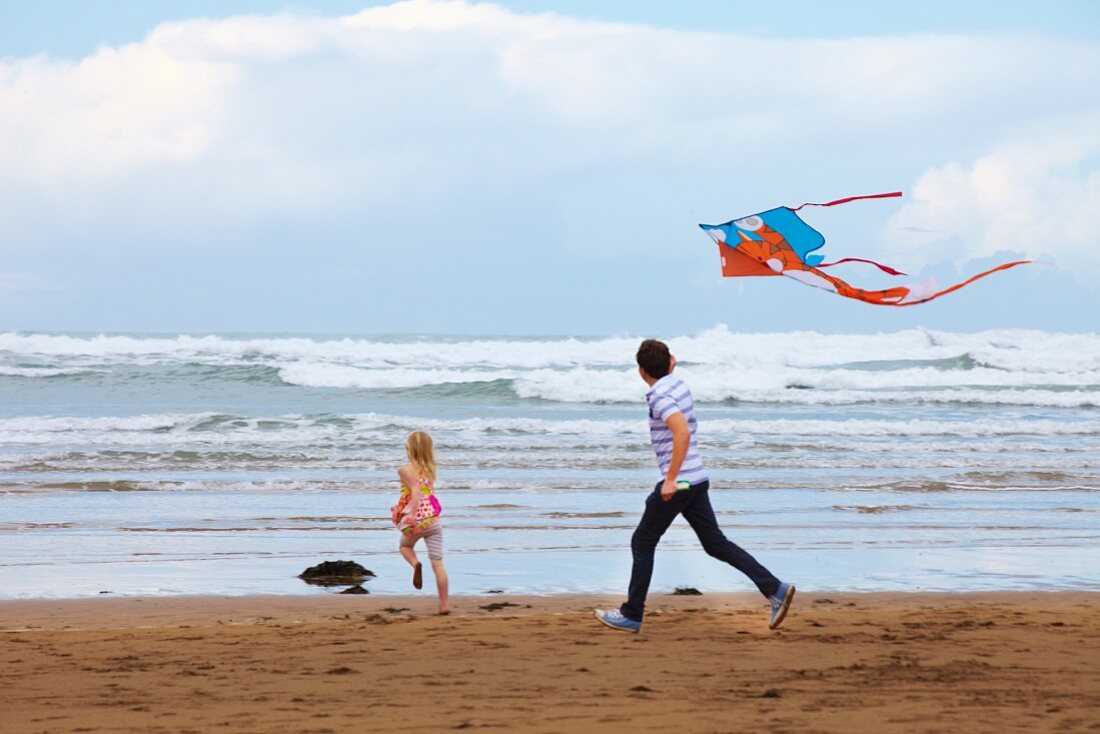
(914, 366)
(993, 481)
(714, 383)
(824, 387)
(17, 371)
(1011, 350)
(342, 376)
(180, 428)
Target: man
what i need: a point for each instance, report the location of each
(672, 433)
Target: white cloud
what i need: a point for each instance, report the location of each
(1039, 195)
(116, 109)
(400, 110)
(241, 38)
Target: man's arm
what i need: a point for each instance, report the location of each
(681, 439)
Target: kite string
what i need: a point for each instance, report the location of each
(846, 199)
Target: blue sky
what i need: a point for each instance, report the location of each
(537, 167)
(76, 27)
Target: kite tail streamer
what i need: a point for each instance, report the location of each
(880, 266)
(966, 282)
(845, 200)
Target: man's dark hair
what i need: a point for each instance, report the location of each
(654, 358)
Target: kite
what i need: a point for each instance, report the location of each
(778, 242)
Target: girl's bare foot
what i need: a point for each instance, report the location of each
(444, 612)
(418, 576)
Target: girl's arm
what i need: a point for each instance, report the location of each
(410, 480)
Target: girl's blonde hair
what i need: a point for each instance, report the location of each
(421, 455)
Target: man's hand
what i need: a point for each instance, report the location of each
(668, 489)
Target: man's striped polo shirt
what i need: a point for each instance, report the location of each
(667, 396)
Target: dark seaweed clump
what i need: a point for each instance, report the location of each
(335, 573)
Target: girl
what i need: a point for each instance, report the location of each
(416, 513)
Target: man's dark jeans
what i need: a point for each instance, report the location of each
(694, 504)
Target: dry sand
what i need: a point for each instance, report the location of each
(842, 663)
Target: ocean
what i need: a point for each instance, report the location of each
(226, 464)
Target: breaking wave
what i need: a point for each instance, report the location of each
(179, 430)
(915, 366)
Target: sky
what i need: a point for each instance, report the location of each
(538, 167)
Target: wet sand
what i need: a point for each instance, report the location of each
(841, 663)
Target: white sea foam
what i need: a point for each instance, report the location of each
(342, 376)
(13, 426)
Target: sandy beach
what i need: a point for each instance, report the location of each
(1015, 661)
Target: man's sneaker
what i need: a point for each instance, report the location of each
(781, 602)
(614, 619)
